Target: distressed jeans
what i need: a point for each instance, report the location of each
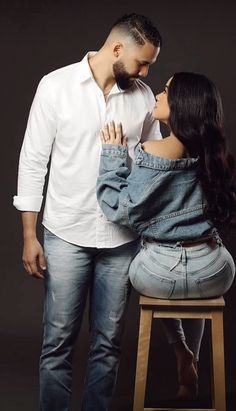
(72, 272)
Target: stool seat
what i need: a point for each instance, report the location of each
(209, 308)
(205, 302)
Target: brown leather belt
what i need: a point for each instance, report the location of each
(209, 241)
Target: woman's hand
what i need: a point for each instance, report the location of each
(112, 133)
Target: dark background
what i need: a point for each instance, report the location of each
(37, 37)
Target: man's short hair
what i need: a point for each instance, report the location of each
(139, 28)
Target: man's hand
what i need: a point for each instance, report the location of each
(112, 133)
(33, 258)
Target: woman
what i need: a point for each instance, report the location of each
(180, 193)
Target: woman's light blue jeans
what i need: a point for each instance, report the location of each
(72, 271)
(176, 272)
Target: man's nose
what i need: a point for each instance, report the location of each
(143, 72)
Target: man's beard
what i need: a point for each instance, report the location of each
(122, 77)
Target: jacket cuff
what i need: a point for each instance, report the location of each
(114, 150)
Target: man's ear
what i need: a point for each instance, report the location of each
(117, 49)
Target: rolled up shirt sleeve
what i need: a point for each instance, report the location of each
(36, 149)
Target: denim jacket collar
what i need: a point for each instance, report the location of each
(148, 160)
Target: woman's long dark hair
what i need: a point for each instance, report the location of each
(196, 119)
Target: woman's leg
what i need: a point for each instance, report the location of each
(185, 354)
(152, 274)
(193, 330)
(209, 273)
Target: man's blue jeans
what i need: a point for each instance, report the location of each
(71, 272)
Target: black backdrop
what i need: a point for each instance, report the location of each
(36, 38)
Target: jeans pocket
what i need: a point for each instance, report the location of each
(216, 284)
(149, 283)
(48, 233)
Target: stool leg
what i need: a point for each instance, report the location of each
(142, 358)
(218, 360)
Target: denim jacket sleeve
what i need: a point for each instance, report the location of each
(112, 184)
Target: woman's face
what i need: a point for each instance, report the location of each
(161, 110)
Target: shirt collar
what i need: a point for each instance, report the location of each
(85, 73)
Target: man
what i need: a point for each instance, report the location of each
(82, 250)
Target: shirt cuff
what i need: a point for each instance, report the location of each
(28, 203)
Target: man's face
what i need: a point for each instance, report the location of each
(133, 63)
(123, 79)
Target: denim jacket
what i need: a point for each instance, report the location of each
(160, 199)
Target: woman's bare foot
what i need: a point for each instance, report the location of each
(186, 392)
(187, 373)
(189, 389)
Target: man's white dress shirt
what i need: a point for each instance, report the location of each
(66, 116)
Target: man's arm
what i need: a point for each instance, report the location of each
(33, 256)
(34, 157)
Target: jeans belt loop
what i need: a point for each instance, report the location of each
(180, 255)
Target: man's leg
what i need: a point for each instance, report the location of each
(69, 272)
(109, 294)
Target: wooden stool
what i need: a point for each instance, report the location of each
(211, 309)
